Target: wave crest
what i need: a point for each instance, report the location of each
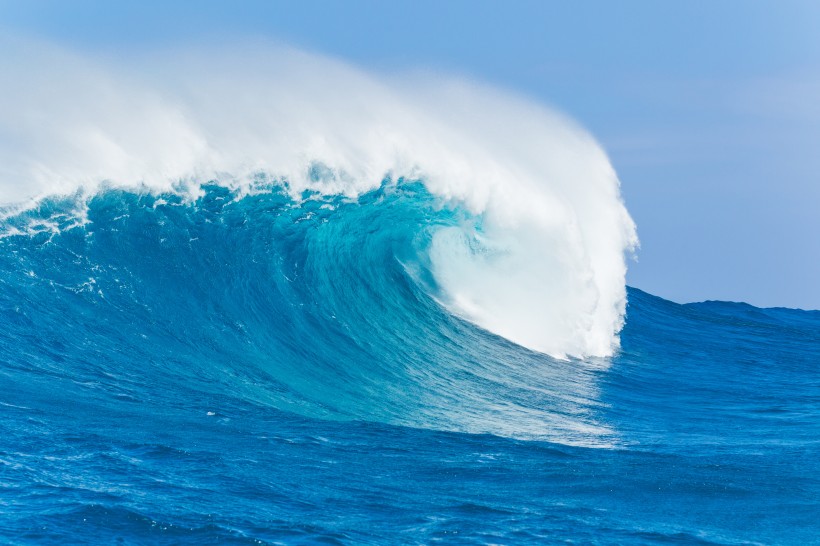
(538, 259)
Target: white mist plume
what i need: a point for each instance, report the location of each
(547, 270)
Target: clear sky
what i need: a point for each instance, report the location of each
(710, 111)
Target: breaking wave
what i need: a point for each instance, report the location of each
(522, 230)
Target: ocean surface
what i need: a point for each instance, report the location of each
(254, 368)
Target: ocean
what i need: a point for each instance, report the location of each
(287, 366)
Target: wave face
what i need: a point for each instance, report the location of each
(254, 367)
(328, 306)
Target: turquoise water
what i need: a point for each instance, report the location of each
(256, 369)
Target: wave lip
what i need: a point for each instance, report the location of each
(539, 258)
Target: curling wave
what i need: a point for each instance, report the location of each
(324, 306)
(537, 255)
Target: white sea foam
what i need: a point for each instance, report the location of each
(546, 268)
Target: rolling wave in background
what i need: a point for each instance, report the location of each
(278, 300)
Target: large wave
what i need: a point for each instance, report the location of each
(325, 306)
(536, 255)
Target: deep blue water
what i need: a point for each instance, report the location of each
(258, 370)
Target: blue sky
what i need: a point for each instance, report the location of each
(710, 111)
